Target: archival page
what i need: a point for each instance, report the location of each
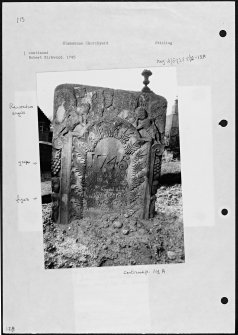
(118, 167)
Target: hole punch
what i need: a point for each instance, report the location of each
(222, 33)
(224, 211)
(224, 300)
(223, 123)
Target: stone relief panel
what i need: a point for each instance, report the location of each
(114, 160)
(109, 167)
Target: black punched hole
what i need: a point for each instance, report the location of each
(224, 300)
(223, 123)
(222, 33)
(224, 211)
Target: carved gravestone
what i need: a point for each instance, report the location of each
(107, 150)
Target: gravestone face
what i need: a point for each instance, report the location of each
(107, 149)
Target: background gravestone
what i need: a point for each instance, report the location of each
(107, 150)
(172, 132)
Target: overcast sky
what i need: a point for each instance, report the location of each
(163, 82)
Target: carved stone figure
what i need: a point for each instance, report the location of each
(107, 151)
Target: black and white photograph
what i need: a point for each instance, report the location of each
(118, 167)
(110, 171)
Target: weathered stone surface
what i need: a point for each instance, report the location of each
(107, 150)
(117, 224)
(171, 254)
(125, 231)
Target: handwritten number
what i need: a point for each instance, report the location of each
(20, 19)
(10, 329)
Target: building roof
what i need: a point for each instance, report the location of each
(42, 117)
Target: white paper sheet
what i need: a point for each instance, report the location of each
(174, 298)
